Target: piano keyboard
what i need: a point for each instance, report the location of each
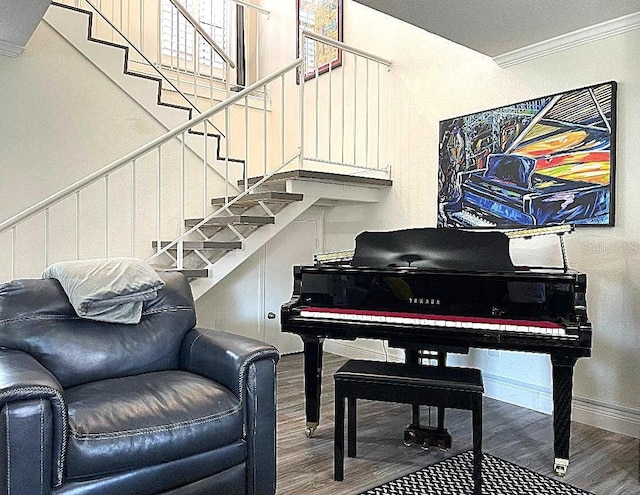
(470, 219)
(447, 321)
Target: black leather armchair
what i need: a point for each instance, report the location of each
(159, 407)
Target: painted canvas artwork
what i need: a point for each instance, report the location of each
(545, 161)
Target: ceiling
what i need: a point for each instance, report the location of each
(18, 21)
(491, 27)
(496, 27)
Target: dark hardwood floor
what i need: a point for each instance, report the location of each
(601, 462)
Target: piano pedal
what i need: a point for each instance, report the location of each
(409, 438)
(443, 446)
(427, 437)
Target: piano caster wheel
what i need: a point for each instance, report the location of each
(409, 438)
(310, 429)
(426, 445)
(560, 466)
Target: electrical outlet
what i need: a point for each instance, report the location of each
(494, 353)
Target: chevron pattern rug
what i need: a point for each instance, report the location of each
(453, 477)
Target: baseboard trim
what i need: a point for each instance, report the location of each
(352, 350)
(597, 32)
(610, 417)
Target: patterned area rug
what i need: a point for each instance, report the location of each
(453, 477)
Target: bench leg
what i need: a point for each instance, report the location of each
(338, 439)
(351, 427)
(477, 445)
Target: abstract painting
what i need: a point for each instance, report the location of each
(545, 161)
(322, 17)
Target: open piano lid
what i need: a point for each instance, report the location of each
(434, 248)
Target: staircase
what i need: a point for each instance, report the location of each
(226, 233)
(159, 93)
(155, 202)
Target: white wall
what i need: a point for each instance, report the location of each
(61, 120)
(434, 79)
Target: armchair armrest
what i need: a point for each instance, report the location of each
(33, 411)
(223, 357)
(247, 368)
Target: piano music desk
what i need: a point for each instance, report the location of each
(449, 387)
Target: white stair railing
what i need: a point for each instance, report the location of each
(149, 194)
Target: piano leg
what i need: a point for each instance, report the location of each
(312, 381)
(562, 393)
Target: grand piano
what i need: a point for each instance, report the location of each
(442, 290)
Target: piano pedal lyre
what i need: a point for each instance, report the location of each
(427, 437)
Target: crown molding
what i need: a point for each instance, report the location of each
(9, 49)
(596, 32)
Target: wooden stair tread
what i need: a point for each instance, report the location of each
(187, 272)
(232, 220)
(192, 245)
(254, 198)
(322, 177)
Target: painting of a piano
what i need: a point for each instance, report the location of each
(545, 161)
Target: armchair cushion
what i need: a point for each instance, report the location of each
(152, 418)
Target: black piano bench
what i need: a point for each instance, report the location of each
(449, 387)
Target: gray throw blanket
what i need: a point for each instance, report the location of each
(110, 289)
